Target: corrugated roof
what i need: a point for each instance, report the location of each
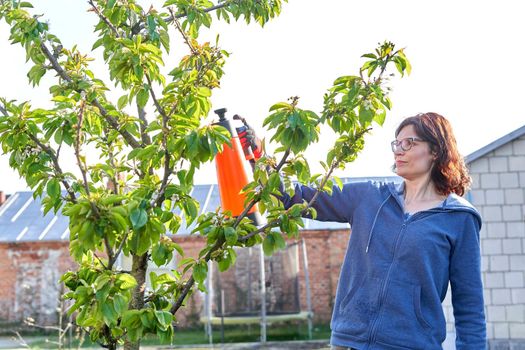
(511, 136)
(22, 218)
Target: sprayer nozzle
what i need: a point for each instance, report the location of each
(238, 117)
(221, 112)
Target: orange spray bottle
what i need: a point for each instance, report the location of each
(232, 175)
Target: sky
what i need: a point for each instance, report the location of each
(466, 65)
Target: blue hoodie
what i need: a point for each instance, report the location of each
(397, 269)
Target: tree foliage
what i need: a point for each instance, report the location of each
(150, 156)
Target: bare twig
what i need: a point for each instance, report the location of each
(155, 100)
(21, 340)
(3, 110)
(168, 170)
(104, 18)
(112, 261)
(81, 163)
(143, 126)
(183, 33)
(189, 284)
(101, 262)
(283, 160)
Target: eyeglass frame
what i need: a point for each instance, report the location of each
(396, 143)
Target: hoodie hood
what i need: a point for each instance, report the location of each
(453, 202)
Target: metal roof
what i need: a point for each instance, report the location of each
(496, 144)
(22, 219)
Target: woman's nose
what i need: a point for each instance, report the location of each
(398, 150)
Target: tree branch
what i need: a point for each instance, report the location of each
(209, 9)
(81, 164)
(104, 18)
(283, 160)
(189, 284)
(100, 261)
(4, 111)
(143, 126)
(83, 170)
(271, 224)
(119, 250)
(181, 31)
(51, 153)
(218, 244)
(168, 170)
(95, 102)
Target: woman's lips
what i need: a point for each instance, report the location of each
(399, 162)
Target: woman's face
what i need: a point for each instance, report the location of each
(415, 162)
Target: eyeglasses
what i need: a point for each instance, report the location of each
(406, 144)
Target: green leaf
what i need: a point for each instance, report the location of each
(268, 245)
(365, 115)
(126, 281)
(369, 55)
(191, 209)
(274, 180)
(147, 318)
(279, 240)
(53, 188)
(204, 91)
(152, 25)
(160, 254)
(101, 281)
(380, 116)
(97, 43)
(131, 319)
(280, 105)
(230, 235)
(165, 336)
(200, 271)
(120, 303)
(109, 314)
(164, 317)
(142, 97)
(58, 136)
(138, 217)
(122, 101)
(140, 241)
(339, 182)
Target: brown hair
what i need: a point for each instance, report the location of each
(449, 173)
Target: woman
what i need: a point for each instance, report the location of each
(408, 242)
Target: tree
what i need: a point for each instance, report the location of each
(150, 156)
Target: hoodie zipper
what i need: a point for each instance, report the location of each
(383, 287)
(404, 226)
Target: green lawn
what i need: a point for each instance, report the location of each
(232, 334)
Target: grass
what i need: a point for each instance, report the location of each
(232, 334)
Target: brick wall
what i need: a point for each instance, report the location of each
(326, 251)
(28, 280)
(29, 274)
(498, 191)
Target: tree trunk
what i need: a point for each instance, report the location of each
(138, 270)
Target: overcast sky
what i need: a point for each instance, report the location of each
(466, 58)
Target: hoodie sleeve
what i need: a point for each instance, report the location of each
(338, 207)
(467, 288)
